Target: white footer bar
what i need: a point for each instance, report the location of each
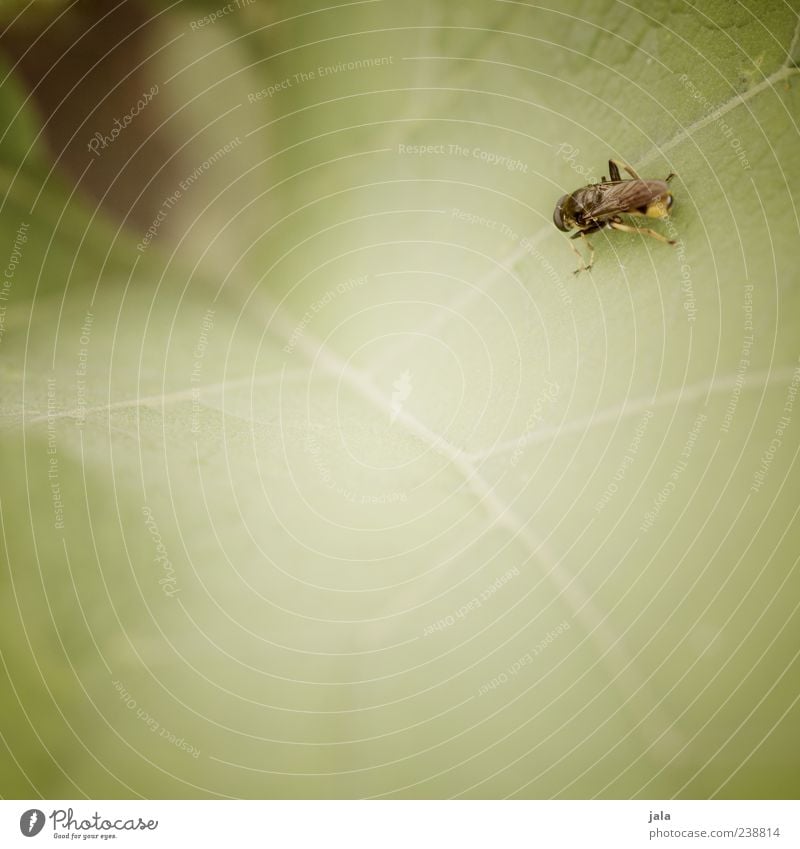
(402, 824)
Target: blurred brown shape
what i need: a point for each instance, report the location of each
(86, 68)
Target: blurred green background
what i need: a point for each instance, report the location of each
(323, 476)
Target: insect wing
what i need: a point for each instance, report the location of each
(624, 196)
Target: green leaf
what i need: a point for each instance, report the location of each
(343, 485)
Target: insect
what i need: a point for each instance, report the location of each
(600, 205)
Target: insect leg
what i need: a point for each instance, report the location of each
(626, 228)
(582, 235)
(592, 227)
(617, 165)
(591, 253)
(613, 171)
(582, 265)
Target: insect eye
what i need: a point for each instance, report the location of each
(668, 201)
(557, 217)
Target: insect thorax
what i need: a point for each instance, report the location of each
(583, 200)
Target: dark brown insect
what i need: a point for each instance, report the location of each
(600, 205)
